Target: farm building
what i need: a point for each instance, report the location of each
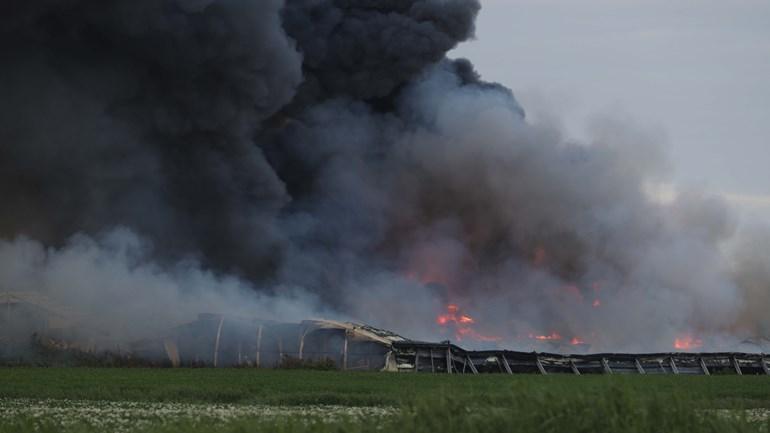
(218, 340)
(222, 341)
(448, 358)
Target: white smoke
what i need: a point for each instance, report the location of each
(111, 285)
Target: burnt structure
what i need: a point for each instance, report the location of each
(448, 358)
(216, 340)
(225, 341)
(222, 341)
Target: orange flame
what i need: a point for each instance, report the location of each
(450, 316)
(687, 342)
(549, 337)
(461, 323)
(555, 336)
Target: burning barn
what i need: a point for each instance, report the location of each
(217, 340)
(223, 341)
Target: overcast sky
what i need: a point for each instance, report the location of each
(697, 70)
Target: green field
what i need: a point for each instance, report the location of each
(240, 400)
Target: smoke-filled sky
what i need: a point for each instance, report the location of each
(297, 158)
(694, 70)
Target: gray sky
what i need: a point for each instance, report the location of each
(699, 71)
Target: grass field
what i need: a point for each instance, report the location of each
(241, 400)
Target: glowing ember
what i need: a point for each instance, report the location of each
(687, 343)
(551, 336)
(461, 323)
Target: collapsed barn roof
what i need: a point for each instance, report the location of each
(224, 341)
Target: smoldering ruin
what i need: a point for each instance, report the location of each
(164, 164)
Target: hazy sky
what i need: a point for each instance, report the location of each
(697, 71)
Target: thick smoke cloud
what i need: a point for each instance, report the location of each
(368, 49)
(141, 114)
(327, 158)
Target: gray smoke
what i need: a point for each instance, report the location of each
(325, 157)
(112, 287)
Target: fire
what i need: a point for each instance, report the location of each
(453, 316)
(687, 342)
(597, 303)
(449, 316)
(555, 336)
(461, 324)
(550, 337)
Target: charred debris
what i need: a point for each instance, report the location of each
(215, 340)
